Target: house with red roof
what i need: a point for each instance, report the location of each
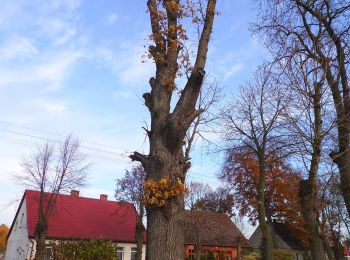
(74, 217)
(214, 233)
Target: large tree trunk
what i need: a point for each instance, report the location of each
(40, 238)
(166, 159)
(308, 188)
(270, 223)
(266, 232)
(338, 250)
(309, 215)
(139, 234)
(266, 237)
(197, 246)
(338, 82)
(41, 228)
(239, 248)
(342, 159)
(165, 234)
(328, 249)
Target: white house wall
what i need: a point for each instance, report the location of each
(18, 242)
(127, 250)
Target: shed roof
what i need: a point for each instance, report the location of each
(294, 237)
(213, 228)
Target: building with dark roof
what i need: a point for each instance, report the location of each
(214, 232)
(74, 217)
(287, 236)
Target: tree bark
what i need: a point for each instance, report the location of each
(197, 246)
(166, 159)
(342, 159)
(266, 232)
(307, 205)
(40, 238)
(239, 248)
(139, 234)
(338, 250)
(165, 233)
(165, 224)
(339, 85)
(41, 228)
(328, 249)
(308, 188)
(269, 221)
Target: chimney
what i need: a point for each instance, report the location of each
(74, 193)
(103, 197)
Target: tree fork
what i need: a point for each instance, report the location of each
(166, 156)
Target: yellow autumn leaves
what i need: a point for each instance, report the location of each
(157, 193)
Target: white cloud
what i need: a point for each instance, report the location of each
(112, 18)
(58, 30)
(69, 5)
(54, 107)
(123, 94)
(51, 69)
(126, 63)
(232, 70)
(18, 47)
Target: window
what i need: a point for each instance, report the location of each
(48, 253)
(228, 255)
(191, 254)
(133, 253)
(120, 253)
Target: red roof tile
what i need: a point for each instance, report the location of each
(84, 218)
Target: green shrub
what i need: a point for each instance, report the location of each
(252, 256)
(283, 254)
(279, 254)
(98, 249)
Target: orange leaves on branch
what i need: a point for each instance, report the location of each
(241, 172)
(170, 37)
(3, 234)
(158, 193)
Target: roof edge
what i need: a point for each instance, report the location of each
(242, 245)
(73, 238)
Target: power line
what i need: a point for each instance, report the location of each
(59, 141)
(54, 134)
(10, 140)
(21, 142)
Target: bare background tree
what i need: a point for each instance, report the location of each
(196, 192)
(52, 169)
(166, 159)
(309, 121)
(252, 122)
(318, 30)
(202, 198)
(334, 218)
(130, 190)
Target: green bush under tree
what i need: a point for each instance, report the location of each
(98, 249)
(279, 254)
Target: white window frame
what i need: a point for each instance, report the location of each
(120, 250)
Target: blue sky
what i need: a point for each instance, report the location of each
(74, 66)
